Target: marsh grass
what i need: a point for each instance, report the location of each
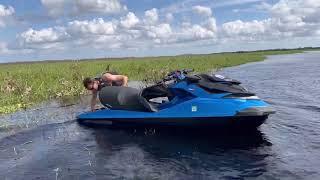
(25, 84)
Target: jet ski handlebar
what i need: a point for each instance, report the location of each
(182, 71)
(177, 75)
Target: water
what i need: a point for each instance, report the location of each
(46, 142)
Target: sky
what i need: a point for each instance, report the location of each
(76, 29)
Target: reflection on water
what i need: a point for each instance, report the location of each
(190, 154)
(104, 153)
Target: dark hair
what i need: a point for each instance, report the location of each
(87, 81)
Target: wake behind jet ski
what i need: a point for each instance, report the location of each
(200, 100)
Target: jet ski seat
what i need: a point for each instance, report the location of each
(156, 91)
(125, 98)
(220, 84)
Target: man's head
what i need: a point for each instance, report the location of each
(90, 84)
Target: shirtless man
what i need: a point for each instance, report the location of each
(106, 79)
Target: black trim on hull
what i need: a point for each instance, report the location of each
(217, 122)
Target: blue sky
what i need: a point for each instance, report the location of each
(75, 29)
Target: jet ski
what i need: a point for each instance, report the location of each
(180, 100)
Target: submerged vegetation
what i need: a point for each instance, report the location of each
(24, 84)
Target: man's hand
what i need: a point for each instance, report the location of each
(94, 100)
(125, 81)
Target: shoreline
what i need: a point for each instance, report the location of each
(25, 85)
(160, 56)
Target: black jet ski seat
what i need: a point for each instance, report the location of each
(125, 98)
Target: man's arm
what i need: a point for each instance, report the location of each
(125, 80)
(94, 100)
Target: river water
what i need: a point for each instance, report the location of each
(46, 142)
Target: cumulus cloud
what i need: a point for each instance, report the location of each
(169, 17)
(163, 33)
(47, 38)
(263, 6)
(128, 31)
(194, 33)
(160, 33)
(5, 14)
(6, 11)
(3, 48)
(202, 10)
(100, 6)
(7, 49)
(129, 21)
(151, 16)
(236, 28)
(46, 35)
(74, 33)
(211, 25)
(297, 18)
(95, 26)
(54, 7)
(76, 7)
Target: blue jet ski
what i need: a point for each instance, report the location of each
(181, 100)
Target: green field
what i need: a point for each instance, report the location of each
(25, 84)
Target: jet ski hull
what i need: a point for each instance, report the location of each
(246, 118)
(199, 122)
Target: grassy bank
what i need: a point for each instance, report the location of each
(24, 84)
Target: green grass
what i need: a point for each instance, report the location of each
(25, 84)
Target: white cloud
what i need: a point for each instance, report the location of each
(3, 48)
(6, 11)
(304, 10)
(202, 10)
(296, 18)
(47, 35)
(47, 38)
(76, 7)
(211, 24)
(184, 5)
(156, 28)
(127, 32)
(121, 29)
(197, 32)
(238, 28)
(100, 6)
(191, 33)
(54, 7)
(151, 16)
(129, 21)
(96, 32)
(5, 14)
(160, 33)
(263, 6)
(6, 50)
(95, 26)
(169, 17)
